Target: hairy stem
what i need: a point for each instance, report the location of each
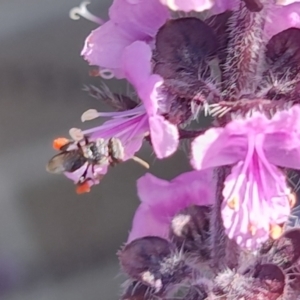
(245, 50)
(218, 235)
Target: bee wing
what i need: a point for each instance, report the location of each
(68, 161)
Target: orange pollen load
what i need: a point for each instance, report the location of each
(83, 188)
(59, 143)
(275, 231)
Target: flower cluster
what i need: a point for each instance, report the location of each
(237, 61)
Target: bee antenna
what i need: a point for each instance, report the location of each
(141, 162)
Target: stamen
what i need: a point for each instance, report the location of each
(82, 188)
(89, 115)
(141, 162)
(76, 134)
(81, 11)
(275, 231)
(59, 143)
(233, 203)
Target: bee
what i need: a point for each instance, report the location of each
(73, 155)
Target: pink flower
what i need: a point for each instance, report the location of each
(129, 127)
(139, 20)
(256, 196)
(130, 21)
(161, 200)
(164, 135)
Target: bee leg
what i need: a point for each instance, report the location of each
(83, 176)
(80, 147)
(86, 140)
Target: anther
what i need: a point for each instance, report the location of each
(233, 203)
(252, 229)
(76, 134)
(89, 115)
(275, 231)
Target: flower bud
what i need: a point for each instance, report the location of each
(286, 250)
(153, 261)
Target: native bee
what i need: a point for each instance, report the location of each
(73, 155)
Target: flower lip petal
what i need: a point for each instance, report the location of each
(104, 47)
(142, 17)
(139, 73)
(164, 136)
(216, 147)
(282, 141)
(255, 199)
(282, 18)
(162, 199)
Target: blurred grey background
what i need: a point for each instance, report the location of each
(54, 244)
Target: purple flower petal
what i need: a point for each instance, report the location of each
(225, 146)
(256, 197)
(282, 18)
(104, 47)
(140, 18)
(282, 145)
(161, 200)
(164, 135)
(129, 21)
(217, 147)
